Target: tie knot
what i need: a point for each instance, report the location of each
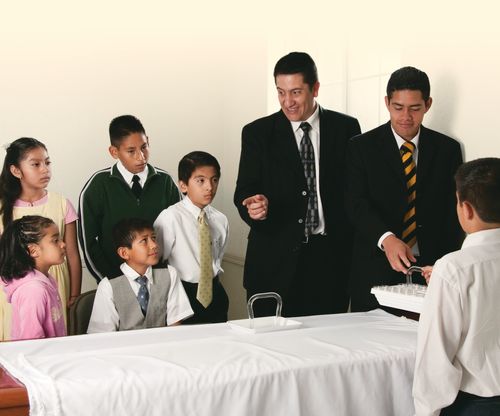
(407, 147)
(305, 126)
(135, 179)
(142, 280)
(201, 216)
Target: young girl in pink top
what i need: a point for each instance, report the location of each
(28, 248)
(24, 179)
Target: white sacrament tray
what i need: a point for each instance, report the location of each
(407, 297)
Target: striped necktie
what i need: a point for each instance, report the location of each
(309, 163)
(409, 235)
(204, 293)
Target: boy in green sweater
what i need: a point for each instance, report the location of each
(130, 188)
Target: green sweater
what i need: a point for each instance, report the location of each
(106, 199)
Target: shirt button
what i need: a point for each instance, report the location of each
(304, 193)
(301, 221)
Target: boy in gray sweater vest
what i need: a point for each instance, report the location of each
(142, 297)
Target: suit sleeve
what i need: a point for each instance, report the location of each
(89, 229)
(358, 206)
(250, 176)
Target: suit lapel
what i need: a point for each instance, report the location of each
(286, 143)
(391, 152)
(425, 155)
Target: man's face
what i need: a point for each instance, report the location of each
(296, 97)
(407, 109)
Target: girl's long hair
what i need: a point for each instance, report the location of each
(15, 258)
(10, 186)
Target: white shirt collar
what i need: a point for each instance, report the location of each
(400, 140)
(127, 175)
(313, 120)
(131, 274)
(482, 237)
(193, 209)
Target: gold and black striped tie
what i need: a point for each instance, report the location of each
(410, 225)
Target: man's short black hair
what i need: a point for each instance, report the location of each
(478, 183)
(126, 230)
(123, 126)
(196, 159)
(409, 78)
(297, 63)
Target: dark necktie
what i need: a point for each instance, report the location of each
(136, 186)
(143, 294)
(307, 155)
(409, 235)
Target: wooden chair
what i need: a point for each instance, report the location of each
(79, 313)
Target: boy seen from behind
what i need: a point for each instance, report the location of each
(193, 236)
(131, 188)
(143, 296)
(458, 353)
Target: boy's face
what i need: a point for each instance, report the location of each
(143, 253)
(133, 152)
(202, 186)
(407, 109)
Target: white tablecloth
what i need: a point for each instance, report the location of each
(350, 364)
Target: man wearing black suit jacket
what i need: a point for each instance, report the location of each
(290, 192)
(400, 218)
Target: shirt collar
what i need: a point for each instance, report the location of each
(193, 209)
(131, 274)
(127, 175)
(482, 237)
(400, 140)
(313, 120)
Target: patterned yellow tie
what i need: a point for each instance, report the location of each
(204, 293)
(409, 235)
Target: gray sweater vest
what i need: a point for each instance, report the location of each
(128, 308)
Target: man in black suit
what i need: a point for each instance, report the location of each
(400, 191)
(290, 191)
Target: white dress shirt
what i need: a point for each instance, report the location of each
(105, 317)
(459, 329)
(313, 120)
(177, 234)
(400, 141)
(127, 176)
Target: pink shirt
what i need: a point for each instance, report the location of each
(36, 307)
(70, 216)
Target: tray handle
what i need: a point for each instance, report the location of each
(253, 298)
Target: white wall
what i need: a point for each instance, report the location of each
(195, 73)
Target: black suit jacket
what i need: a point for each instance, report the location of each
(376, 200)
(270, 164)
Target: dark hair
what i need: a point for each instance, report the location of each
(15, 258)
(193, 160)
(126, 230)
(409, 78)
(478, 183)
(123, 126)
(10, 186)
(297, 63)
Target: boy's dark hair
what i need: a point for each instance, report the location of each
(193, 160)
(15, 258)
(126, 230)
(297, 63)
(123, 126)
(10, 186)
(478, 183)
(409, 78)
